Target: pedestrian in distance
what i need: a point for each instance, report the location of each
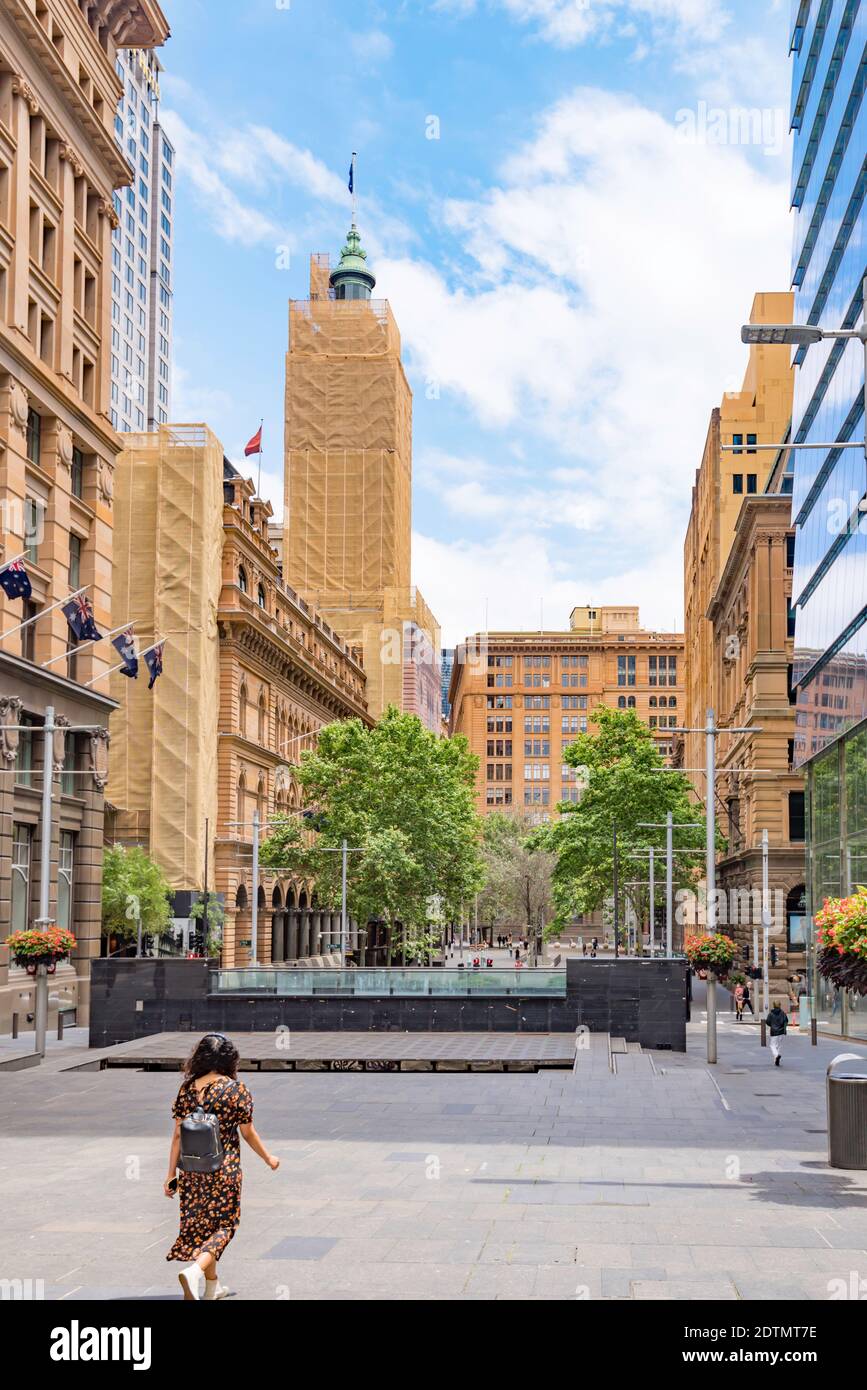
(778, 1024)
(748, 1001)
(739, 1003)
(211, 1110)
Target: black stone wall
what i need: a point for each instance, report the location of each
(642, 1001)
(638, 999)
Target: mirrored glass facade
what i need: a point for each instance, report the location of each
(829, 263)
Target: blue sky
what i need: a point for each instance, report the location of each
(569, 260)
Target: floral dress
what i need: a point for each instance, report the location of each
(211, 1202)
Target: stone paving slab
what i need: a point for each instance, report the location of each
(585, 1184)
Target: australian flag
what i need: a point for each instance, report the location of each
(15, 581)
(79, 614)
(352, 177)
(154, 661)
(124, 645)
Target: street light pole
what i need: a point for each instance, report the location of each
(41, 1009)
(344, 853)
(710, 879)
(254, 908)
(616, 909)
(652, 902)
(766, 925)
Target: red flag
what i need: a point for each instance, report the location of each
(255, 444)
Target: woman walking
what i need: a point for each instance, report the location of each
(210, 1200)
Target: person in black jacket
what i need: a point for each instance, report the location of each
(778, 1024)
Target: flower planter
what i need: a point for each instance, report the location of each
(33, 948)
(711, 954)
(842, 941)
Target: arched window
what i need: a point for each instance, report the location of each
(241, 898)
(277, 898)
(262, 797)
(242, 579)
(653, 702)
(242, 708)
(630, 703)
(260, 595)
(242, 798)
(263, 717)
(672, 702)
(621, 702)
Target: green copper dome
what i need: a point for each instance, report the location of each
(351, 278)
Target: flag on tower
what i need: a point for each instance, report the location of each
(352, 175)
(154, 661)
(15, 581)
(124, 645)
(255, 444)
(79, 614)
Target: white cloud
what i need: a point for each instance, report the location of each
(606, 280)
(465, 579)
(570, 22)
(373, 47)
(232, 218)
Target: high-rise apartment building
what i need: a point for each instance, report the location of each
(59, 167)
(828, 45)
(522, 697)
(348, 482)
(141, 252)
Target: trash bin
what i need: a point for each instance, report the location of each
(847, 1113)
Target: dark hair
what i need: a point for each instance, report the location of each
(213, 1052)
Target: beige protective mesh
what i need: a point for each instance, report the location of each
(168, 538)
(348, 441)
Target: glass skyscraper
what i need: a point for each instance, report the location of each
(829, 264)
(141, 252)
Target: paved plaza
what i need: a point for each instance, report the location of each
(664, 1180)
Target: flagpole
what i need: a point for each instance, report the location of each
(261, 437)
(81, 646)
(42, 612)
(6, 563)
(111, 670)
(354, 193)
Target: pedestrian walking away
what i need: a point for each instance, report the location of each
(211, 1109)
(778, 1024)
(748, 1001)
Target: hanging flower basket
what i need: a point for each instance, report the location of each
(33, 948)
(842, 941)
(710, 952)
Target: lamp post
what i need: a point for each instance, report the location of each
(712, 732)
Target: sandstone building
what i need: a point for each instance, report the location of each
(59, 169)
(251, 672)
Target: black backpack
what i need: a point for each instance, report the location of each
(201, 1145)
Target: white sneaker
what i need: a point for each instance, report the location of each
(192, 1280)
(214, 1290)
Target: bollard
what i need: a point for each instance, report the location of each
(59, 1025)
(814, 1032)
(15, 1025)
(764, 1034)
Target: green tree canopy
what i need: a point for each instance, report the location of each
(404, 800)
(519, 887)
(625, 783)
(134, 889)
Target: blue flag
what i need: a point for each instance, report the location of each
(79, 614)
(154, 662)
(124, 645)
(15, 581)
(352, 177)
